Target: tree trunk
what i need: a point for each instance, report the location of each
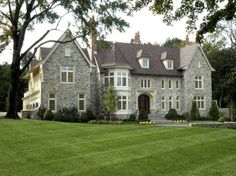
(13, 89)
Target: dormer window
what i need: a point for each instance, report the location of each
(170, 64)
(144, 62)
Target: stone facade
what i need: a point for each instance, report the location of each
(88, 78)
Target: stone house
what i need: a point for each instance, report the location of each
(145, 77)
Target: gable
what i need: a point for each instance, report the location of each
(58, 46)
(193, 55)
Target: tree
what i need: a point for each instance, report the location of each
(17, 17)
(213, 10)
(110, 101)
(175, 43)
(194, 111)
(4, 79)
(214, 113)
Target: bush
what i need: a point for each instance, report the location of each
(57, 116)
(143, 116)
(90, 115)
(214, 113)
(132, 117)
(100, 117)
(69, 114)
(84, 117)
(194, 111)
(221, 119)
(186, 115)
(172, 114)
(48, 115)
(41, 112)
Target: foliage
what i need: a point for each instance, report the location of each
(214, 113)
(221, 119)
(195, 115)
(110, 101)
(175, 43)
(143, 116)
(69, 115)
(90, 115)
(41, 112)
(132, 117)
(84, 117)
(48, 115)
(19, 17)
(172, 114)
(116, 122)
(212, 10)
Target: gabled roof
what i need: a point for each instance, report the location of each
(65, 34)
(187, 53)
(125, 54)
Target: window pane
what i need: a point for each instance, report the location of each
(51, 95)
(63, 76)
(81, 95)
(124, 81)
(81, 105)
(106, 82)
(52, 105)
(119, 81)
(124, 105)
(112, 81)
(70, 77)
(119, 105)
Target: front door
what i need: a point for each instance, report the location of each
(144, 103)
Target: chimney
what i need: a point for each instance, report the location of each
(187, 40)
(137, 38)
(92, 42)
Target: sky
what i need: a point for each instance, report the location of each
(151, 29)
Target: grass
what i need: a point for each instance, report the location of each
(40, 148)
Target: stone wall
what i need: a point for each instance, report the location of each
(189, 84)
(67, 93)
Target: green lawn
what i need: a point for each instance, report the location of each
(31, 147)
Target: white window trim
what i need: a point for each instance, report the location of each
(145, 83)
(170, 86)
(163, 81)
(204, 102)
(202, 78)
(109, 78)
(67, 75)
(122, 100)
(55, 99)
(116, 78)
(163, 101)
(177, 101)
(84, 101)
(171, 63)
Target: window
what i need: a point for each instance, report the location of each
(170, 86)
(170, 65)
(198, 82)
(145, 83)
(109, 79)
(52, 102)
(177, 84)
(67, 74)
(67, 51)
(200, 101)
(82, 105)
(163, 84)
(177, 103)
(121, 78)
(170, 102)
(122, 103)
(163, 103)
(145, 63)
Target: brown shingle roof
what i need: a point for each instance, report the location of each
(125, 54)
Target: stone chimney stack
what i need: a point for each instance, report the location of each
(137, 38)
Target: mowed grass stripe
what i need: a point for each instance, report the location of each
(67, 155)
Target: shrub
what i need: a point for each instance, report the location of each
(194, 111)
(57, 116)
(221, 119)
(143, 116)
(48, 115)
(69, 114)
(132, 117)
(100, 117)
(114, 118)
(41, 112)
(84, 117)
(186, 115)
(172, 114)
(90, 115)
(214, 113)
